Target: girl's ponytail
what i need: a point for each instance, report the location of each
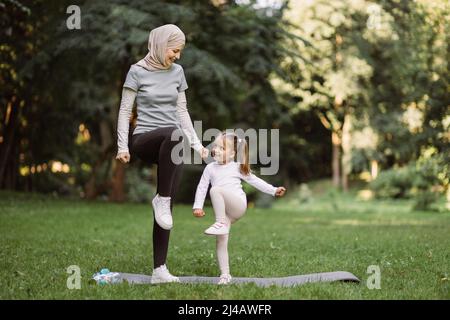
(244, 155)
(241, 152)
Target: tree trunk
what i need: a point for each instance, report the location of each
(346, 152)
(447, 205)
(12, 168)
(7, 146)
(117, 182)
(90, 191)
(336, 157)
(92, 187)
(374, 169)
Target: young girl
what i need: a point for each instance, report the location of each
(227, 196)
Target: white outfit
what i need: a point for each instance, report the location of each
(228, 176)
(228, 199)
(123, 123)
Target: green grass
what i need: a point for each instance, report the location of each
(41, 236)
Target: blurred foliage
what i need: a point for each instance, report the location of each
(138, 186)
(384, 63)
(425, 180)
(303, 67)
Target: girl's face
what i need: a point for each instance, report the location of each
(223, 150)
(172, 55)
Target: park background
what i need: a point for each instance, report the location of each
(358, 89)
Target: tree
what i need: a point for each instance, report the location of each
(410, 99)
(26, 98)
(372, 63)
(334, 74)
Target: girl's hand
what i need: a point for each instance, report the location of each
(123, 157)
(199, 213)
(280, 191)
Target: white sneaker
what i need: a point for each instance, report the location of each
(217, 229)
(163, 216)
(162, 275)
(224, 279)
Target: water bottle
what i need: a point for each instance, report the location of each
(107, 277)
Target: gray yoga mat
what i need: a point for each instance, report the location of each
(262, 282)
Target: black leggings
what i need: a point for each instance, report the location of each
(155, 147)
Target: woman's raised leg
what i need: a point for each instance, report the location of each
(156, 147)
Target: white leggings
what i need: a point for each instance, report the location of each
(228, 208)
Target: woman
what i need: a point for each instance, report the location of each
(158, 84)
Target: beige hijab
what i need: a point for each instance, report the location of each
(168, 36)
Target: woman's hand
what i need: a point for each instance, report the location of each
(204, 153)
(123, 157)
(199, 213)
(280, 191)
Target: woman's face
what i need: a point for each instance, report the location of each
(222, 153)
(172, 55)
